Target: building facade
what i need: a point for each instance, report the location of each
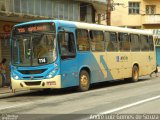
(17, 11)
(141, 14)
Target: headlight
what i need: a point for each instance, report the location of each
(15, 76)
(52, 73)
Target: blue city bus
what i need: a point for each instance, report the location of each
(58, 54)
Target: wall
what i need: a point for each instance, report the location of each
(120, 16)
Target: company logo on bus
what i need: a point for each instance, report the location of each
(121, 58)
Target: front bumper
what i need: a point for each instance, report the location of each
(37, 84)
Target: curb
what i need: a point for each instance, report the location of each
(10, 94)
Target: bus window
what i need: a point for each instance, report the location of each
(144, 43)
(66, 44)
(43, 47)
(151, 44)
(135, 43)
(97, 40)
(124, 43)
(82, 40)
(111, 41)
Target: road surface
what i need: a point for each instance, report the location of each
(116, 97)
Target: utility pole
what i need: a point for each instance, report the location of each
(108, 13)
(110, 7)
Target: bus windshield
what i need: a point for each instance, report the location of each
(33, 44)
(33, 49)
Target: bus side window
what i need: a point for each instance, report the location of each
(97, 40)
(111, 41)
(82, 40)
(124, 42)
(66, 45)
(151, 44)
(92, 42)
(135, 43)
(144, 43)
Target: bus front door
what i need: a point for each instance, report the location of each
(67, 52)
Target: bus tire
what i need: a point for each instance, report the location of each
(84, 81)
(135, 73)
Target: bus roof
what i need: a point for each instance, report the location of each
(90, 26)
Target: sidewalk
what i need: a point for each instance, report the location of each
(7, 92)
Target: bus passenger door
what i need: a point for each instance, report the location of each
(67, 50)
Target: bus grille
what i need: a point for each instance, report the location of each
(32, 71)
(32, 78)
(33, 83)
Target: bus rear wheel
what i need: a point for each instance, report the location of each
(84, 81)
(135, 73)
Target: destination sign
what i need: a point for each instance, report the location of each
(40, 27)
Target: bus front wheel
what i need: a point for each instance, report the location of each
(135, 73)
(84, 82)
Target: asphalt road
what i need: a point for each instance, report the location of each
(117, 97)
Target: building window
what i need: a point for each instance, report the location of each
(134, 7)
(157, 41)
(17, 7)
(86, 12)
(58, 9)
(150, 9)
